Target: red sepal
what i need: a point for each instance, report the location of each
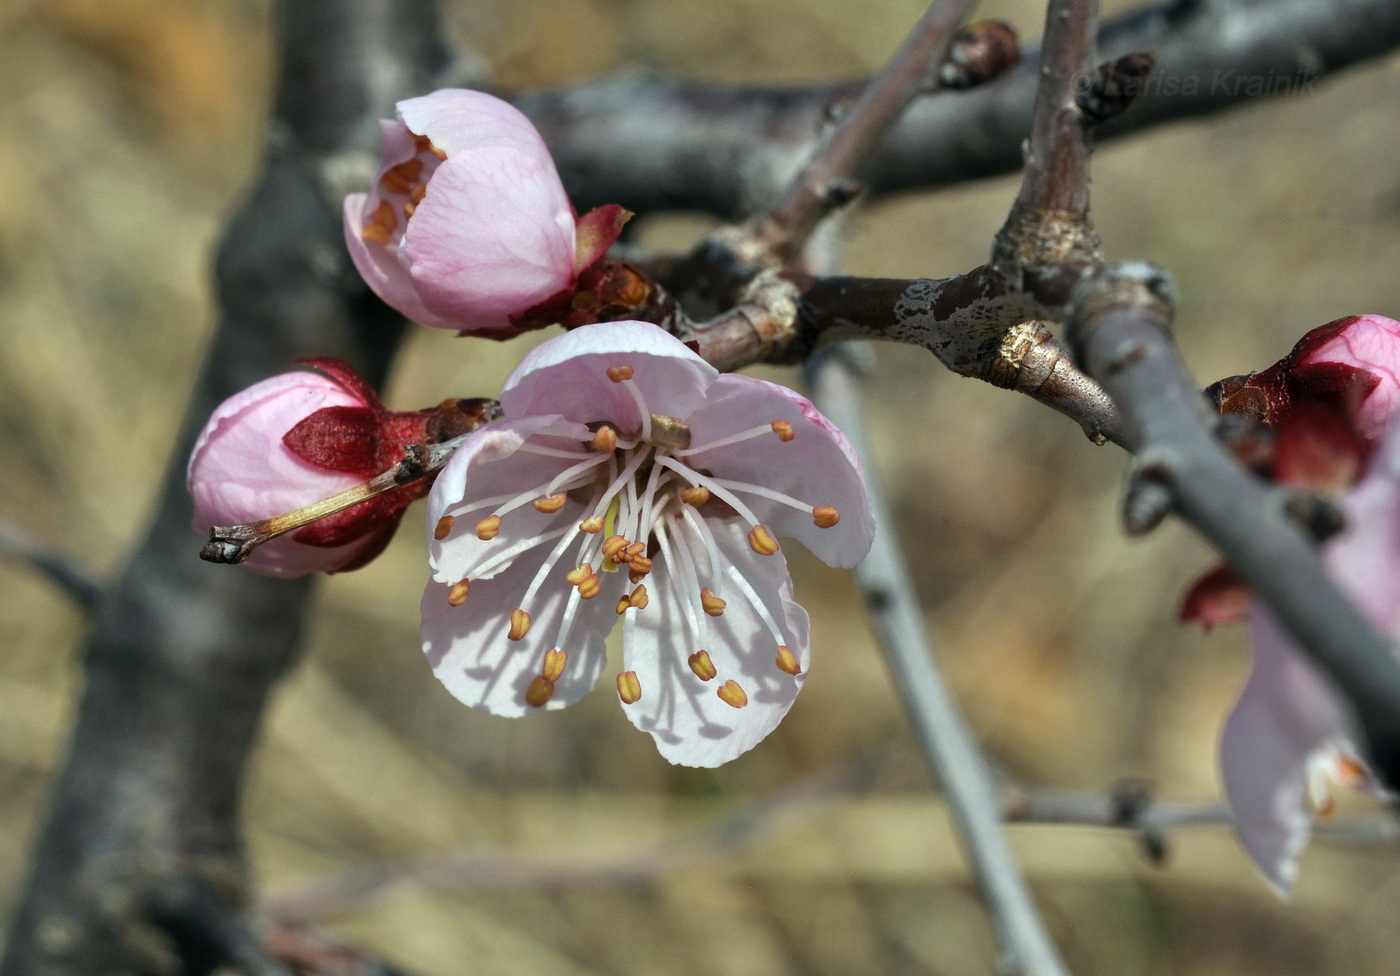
(1218, 597)
(595, 232)
(1318, 447)
(338, 438)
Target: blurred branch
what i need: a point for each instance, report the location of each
(70, 577)
(654, 143)
(953, 757)
(182, 655)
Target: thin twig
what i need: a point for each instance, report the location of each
(953, 757)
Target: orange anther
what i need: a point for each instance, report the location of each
(443, 527)
(579, 574)
(605, 439)
(552, 503)
(825, 516)
(592, 525)
(540, 691)
(784, 430)
(639, 565)
(381, 224)
(400, 178)
(619, 374)
(589, 588)
(712, 604)
(488, 528)
(787, 661)
(635, 575)
(554, 661)
(409, 209)
(732, 693)
(613, 545)
(639, 598)
(762, 542)
(629, 688)
(1351, 773)
(458, 594)
(696, 496)
(439, 153)
(634, 550)
(701, 664)
(421, 143)
(416, 195)
(623, 604)
(519, 624)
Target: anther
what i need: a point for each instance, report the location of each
(554, 661)
(696, 496)
(439, 153)
(613, 545)
(605, 439)
(635, 575)
(443, 527)
(619, 374)
(380, 224)
(589, 588)
(701, 664)
(787, 661)
(629, 688)
(540, 691)
(640, 564)
(634, 550)
(416, 195)
(579, 574)
(519, 624)
(639, 598)
(732, 693)
(784, 430)
(825, 516)
(623, 604)
(762, 542)
(592, 525)
(488, 528)
(1351, 773)
(400, 178)
(458, 594)
(712, 604)
(552, 503)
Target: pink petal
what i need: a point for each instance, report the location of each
(691, 725)
(471, 655)
(380, 267)
(1372, 343)
(460, 120)
(493, 237)
(568, 376)
(817, 466)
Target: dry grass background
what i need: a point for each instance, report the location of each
(563, 844)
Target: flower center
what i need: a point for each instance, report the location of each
(401, 189)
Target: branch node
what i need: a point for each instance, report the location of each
(980, 53)
(1148, 498)
(1114, 86)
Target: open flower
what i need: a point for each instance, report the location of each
(630, 479)
(1332, 405)
(467, 225)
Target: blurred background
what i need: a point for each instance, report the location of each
(450, 841)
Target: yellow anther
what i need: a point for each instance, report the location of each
(696, 496)
(701, 664)
(409, 209)
(458, 594)
(552, 503)
(519, 624)
(554, 661)
(762, 542)
(439, 153)
(381, 224)
(422, 143)
(619, 374)
(592, 525)
(634, 550)
(416, 195)
(590, 588)
(579, 574)
(635, 576)
(712, 604)
(784, 430)
(639, 598)
(613, 545)
(732, 693)
(400, 178)
(443, 527)
(787, 661)
(825, 516)
(540, 691)
(605, 439)
(629, 688)
(623, 604)
(640, 564)
(488, 528)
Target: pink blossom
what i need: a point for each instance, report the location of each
(630, 479)
(295, 439)
(467, 225)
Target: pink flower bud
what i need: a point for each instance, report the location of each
(467, 226)
(292, 440)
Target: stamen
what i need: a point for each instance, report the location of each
(519, 624)
(605, 439)
(762, 542)
(740, 437)
(400, 178)
(592, 525)
(381, 224)
(619, 373)
(624, 603)
(488, 528)
(633, 550)
(640, 565)
(732, 693)
(541, 690)
(629, 688)
(542, 451)
(554, 661)
(762, 492)
(642, 408)
(409, 209)
(590, 588)
(784, 430)
(696, 496)
(507, 556)
(550, 504)
(787, 661)
(417, 193)
(439, 153)
(747, 591)
(613, 545)
(458, 594)
(696, 478)
(684, 581)
(639, 598)
(825, 516)
(713, 605)
(579, 574)
(701, 664)
(443, 527)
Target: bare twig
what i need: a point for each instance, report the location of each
(953, 757)
(75, 580)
